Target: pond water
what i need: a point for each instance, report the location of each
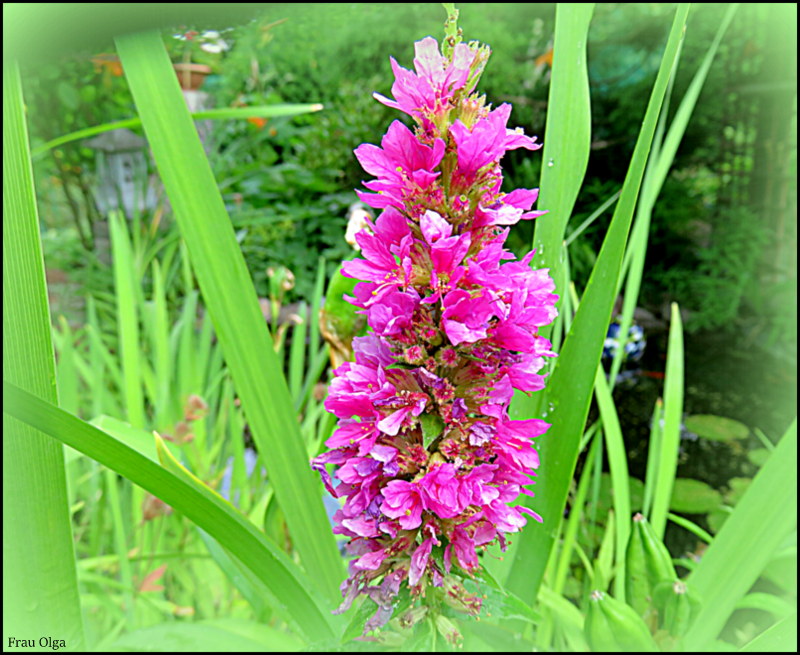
(723, 378)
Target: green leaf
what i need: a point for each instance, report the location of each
(779, 638)
(738, 487)
(671, 434)
(781, 570)
(231, 301)
(759, 456)
(575, 514)
(746, 542)
(355, 628)
(618, 463)
(225, 113)
(653, 453)
(292, 594)
(717, 518)
(695, 529)
(66, 372)
(432, 427)
(40, 589)
(500, 603)
(215, 636)
(694, 497)
(251, 588)
(297, 354)
(606, 494)
(571, 383)
(125, 280)
(717, 428)
(567, 616)
(767, 603)
(603, 565)
(500, 639)
(159, 340)
(567, 142)
(140, 440)
(567, 138)
(657, 169)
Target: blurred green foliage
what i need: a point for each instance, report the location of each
(288, 183)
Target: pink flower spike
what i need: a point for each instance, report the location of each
(425, 453)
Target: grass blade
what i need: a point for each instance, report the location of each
(671, 435)
(597, 213)
(214, 636)
(568, 124)
(316, 303)
(618, 464)
(657, 171)
(294, 596)
(248, 585)
(678, 126)
(567, 138)
(567, 616)
(746, 542)
(230, 298)
(159, 338)
(570, 386)
(66, 370)
(40, 589)
(260, 111)
(575, 514)
(653, 452)
(780, 638)
(121, 544)
(127, 320)
(297, 353)
(695, 529)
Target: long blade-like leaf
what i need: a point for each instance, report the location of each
(657, 170)
(570, 386)
(567, 137)
(618, 464)
(671, 434)
(567, 141)
(779, 638)
(746, 542)
(231, 301)
(40, 589)
(127, 320)
(294, 596)
(224, 113)
(211, 636)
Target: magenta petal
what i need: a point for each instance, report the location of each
(391, 424)
(419, 561)
(370, 561)
(434, 227)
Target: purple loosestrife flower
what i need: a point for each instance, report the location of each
(425, 458)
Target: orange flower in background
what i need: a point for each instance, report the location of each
(257, 121)
(107, 62)
(546, 58)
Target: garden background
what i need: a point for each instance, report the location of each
(136, 350)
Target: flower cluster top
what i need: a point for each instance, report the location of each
(425, 456)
